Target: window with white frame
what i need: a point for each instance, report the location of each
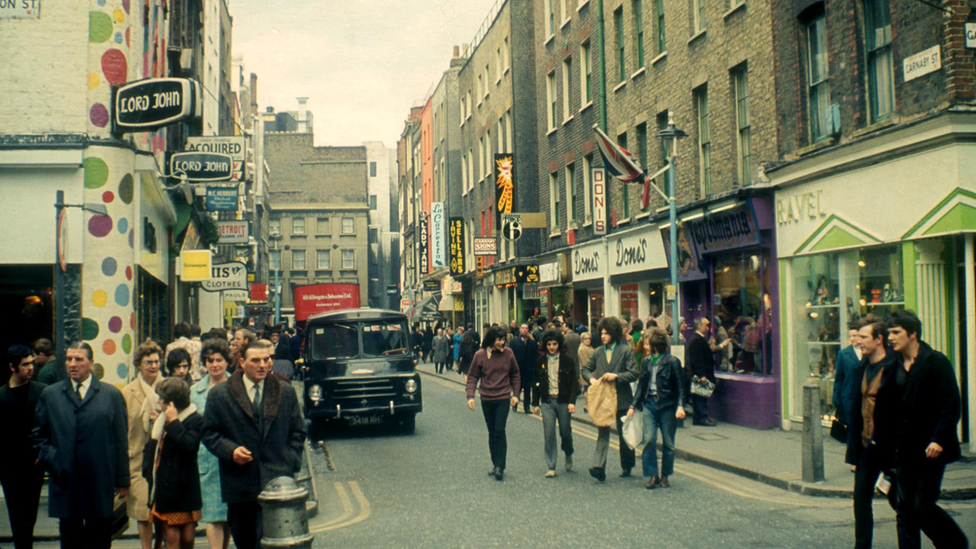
(470, 169)
(618, 28)
(553, 202)
(551, 100)
(564, 13)
(704, 141)
(274, 226)
(586, 69)
(567, 86)
(818, 82)
(275, 260)
(570, 195)
(323, 260)
(507, 54)
(481, 88)
(740, 79)
(348, 259)
(498, 65)
(298, 225)
(662, 45)
(508, 131)
(463, 108)
(482, 161)
(298, 260)
(487, 81)
(500, 146)
(587, 189)
(698, 15)
(348, 225)
(639, 31)
(467, 104)
(552, 19)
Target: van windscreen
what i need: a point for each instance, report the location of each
(335, 341)
(385, 339)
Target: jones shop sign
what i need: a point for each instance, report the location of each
(154, 102)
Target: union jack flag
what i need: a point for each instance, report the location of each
(621, 164)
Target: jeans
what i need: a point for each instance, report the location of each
(246, 524)
(865, 478)
(700, 406)
(654, 420)
(627, 455)
(93, 533)
(23, 486)
(551, 412)
(496, 416)
(918, 486)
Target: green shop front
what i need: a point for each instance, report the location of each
(857, 238)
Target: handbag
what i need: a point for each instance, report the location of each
(838, 431)
(633, 430)
(703, 390)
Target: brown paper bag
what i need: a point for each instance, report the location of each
(601, 402)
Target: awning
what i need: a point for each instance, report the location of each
(427, 309)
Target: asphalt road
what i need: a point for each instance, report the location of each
(431, 489)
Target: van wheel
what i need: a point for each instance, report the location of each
(408, 424)
(318, 430)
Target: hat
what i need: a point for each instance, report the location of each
(581, 328)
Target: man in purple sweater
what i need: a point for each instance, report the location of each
(495, 373)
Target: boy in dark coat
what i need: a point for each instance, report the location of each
(255, 428)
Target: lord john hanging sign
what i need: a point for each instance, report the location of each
(152, 103)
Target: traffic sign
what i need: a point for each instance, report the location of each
(512, 230)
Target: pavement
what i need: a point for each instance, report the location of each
(773, 456)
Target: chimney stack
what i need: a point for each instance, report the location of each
(302, 113)
(457, 51)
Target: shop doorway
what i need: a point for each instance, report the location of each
(26, 305)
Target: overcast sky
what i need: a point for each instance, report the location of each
(361, 63)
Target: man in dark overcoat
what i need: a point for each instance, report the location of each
(20, 474)
(255, 428)
(81, 436)
(526, 351)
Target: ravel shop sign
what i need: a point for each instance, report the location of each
(232, 232)
(589, 262)
(504, 185)
(152, 103)
(221, 199)
(718, 232)
(424, 236)
(636, 252)
(317, 298)
(456, 238)
(438, 248)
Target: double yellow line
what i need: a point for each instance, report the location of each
(349, 515)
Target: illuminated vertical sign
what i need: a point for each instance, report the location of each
(456, 233)
(504, 186)
(599, 201)
(438, 235)
(424, 235)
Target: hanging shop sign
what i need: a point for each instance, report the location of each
(195, 265)
(232, 232)
(456, 250)
(233, 146)
(527, 274)
(152, 103)
(504, 185)
(424, 239)
(599, 178)
(485, 246)
(226, 276)
(505, 278)
(238, 296)
(717, 232)
(438, 234)
(432, 286)
(200, 166)
(221, 199)
(589, 262)
(259, 292)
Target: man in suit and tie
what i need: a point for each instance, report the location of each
(81, 440)
(614, 362)
(255, 428)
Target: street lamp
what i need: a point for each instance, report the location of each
(60, 265)
(275, 237)
(669, 136)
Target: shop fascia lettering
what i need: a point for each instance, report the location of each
(587, 261)
(803, 205)
(716, 231)
(318, 297)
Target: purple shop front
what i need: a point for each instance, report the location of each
(727, 270)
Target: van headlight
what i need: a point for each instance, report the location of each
(315, 393)
(410, 386)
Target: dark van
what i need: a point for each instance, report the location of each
(360, 368)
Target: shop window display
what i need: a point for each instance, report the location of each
(628, 302)
(830, 291)
(743, 311)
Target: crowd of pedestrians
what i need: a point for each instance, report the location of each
(193, 438)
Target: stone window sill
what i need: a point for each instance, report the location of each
(661, 57)
(639, 72)
(886, 123)
(697, 35)
(734, 9)
(819, 145)
(619, 86)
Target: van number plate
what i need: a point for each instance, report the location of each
(365, 420)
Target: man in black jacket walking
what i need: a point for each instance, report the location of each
(255, 428)
(701, 362)
(526, 350)
(917, 414)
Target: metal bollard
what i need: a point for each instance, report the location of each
(285, 520)
(813, 452)
(304, 479)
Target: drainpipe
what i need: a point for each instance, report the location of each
(603, 67)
